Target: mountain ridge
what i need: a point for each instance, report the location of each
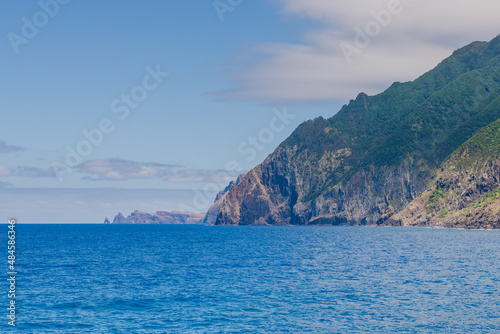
(377, 154)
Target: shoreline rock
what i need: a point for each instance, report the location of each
(160, 217)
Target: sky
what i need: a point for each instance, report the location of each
(109, 106)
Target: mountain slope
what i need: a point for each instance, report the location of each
(465, 191)
(377, 154)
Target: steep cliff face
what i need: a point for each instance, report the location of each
(377, 154)
(465, 190)
(277, 192)
(160, 217)
(212, 212)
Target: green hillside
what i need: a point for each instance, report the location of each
(465, 190)
(482, 147)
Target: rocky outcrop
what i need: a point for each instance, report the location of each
(377, 155)
(276, 192)
(160, 217)
(211, 215)
(465, 202)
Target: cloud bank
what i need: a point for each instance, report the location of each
(34, 172)
(5, 148)
(413, 39)
(119, 169)
(122, 170)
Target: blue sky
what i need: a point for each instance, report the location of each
(235, 87)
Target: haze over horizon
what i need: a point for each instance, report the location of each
(109, 108)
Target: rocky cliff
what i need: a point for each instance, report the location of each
(465, 191)
(160, 217)
(212, 212)
(376, 155)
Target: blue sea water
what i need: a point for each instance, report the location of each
(207, 279)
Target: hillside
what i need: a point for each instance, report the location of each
(377, 154)
(465, 190)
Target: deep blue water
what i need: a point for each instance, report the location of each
(202, 279)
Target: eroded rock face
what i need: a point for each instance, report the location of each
(465, 192)
(160, 217)
(211, 215)
(276, 192)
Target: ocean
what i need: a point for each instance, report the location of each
(211, 279)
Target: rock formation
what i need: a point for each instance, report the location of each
(160, 217)
(378, 154)
(465, 190)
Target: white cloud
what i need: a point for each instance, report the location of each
(417, 38)
(118, 169)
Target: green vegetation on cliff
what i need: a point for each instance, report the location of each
(434, 199)
(485, 200)
(482, 147)
(426, 119)
(465, 190)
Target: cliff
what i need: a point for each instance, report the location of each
(212, 212)
(376, 155)
(465, 190)
(160, 217)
